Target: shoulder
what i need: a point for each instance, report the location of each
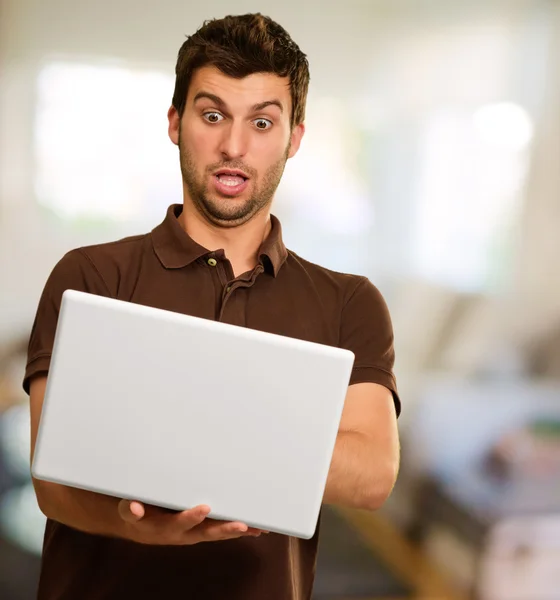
(344, 283)
(103, 264)
(355, 296)
(115, 251)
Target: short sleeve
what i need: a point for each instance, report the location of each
(74, 271)
(367, 330)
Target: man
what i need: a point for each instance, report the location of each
(237, 116)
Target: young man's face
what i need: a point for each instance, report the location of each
(234, 141)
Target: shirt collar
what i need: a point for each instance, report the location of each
(176, 249)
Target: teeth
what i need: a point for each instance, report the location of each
(230, 180)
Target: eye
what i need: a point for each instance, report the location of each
(213, 117)
(263, 124)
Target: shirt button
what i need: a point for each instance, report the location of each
(228, 289)
(212, 262)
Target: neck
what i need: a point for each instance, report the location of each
(240, 244)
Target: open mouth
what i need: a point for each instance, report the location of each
(231, 178)
(230, 182)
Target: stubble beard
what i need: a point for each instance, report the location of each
(229, 212)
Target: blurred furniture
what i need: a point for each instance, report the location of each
(494, 542)
(488, 503)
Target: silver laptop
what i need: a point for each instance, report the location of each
(176, 411)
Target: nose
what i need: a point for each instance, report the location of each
(234, 141)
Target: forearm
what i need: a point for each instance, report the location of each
(81, 509)
(360, 475)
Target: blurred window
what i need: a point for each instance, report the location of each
(472, 169)
(101, 143)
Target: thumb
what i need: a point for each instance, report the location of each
(131, 511)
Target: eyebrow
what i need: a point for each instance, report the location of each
(219, 102)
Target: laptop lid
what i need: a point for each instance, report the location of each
(176, 411)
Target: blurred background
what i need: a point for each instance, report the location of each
(431, 164)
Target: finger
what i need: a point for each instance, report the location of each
(234, 527)
(193, 517)
(131, 511)
(137, 509)
(216, 530)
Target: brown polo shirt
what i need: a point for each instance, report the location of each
(284, 294)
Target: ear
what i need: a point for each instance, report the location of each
(174, 123)
(295, 139)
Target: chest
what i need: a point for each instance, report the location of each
(255, 300)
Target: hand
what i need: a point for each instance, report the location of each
(157, 526)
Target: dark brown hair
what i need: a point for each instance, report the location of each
(239, 46)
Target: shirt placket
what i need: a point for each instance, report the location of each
(217, 268)
(233, 305)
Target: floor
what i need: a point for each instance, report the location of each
(19, 572)
(347, 569)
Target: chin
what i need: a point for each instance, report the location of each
(228, 219)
